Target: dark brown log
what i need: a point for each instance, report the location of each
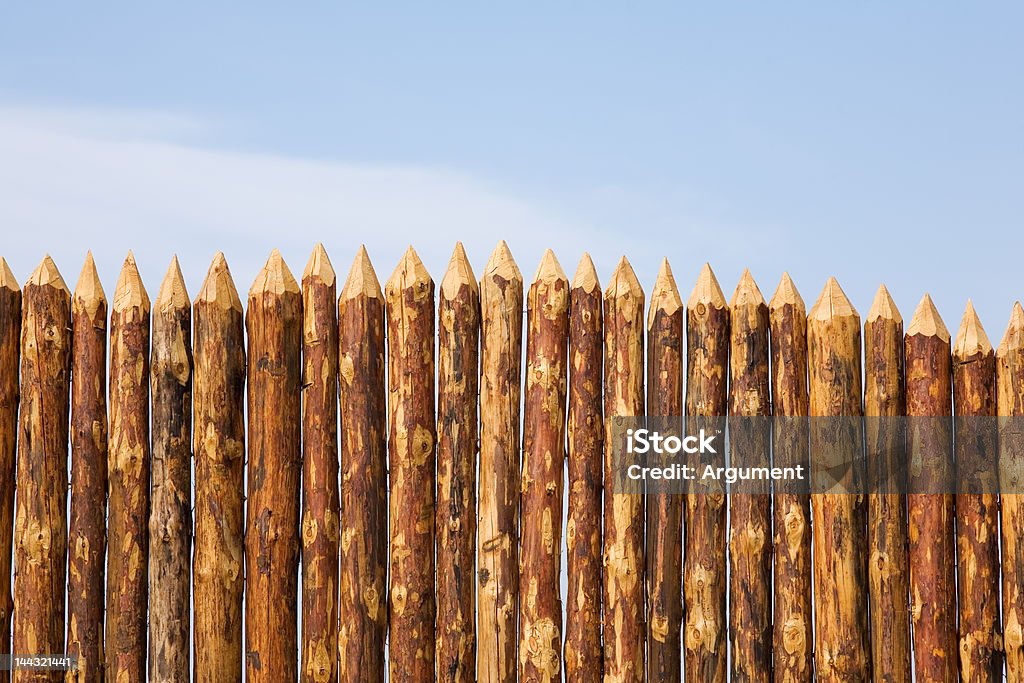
(792, 638)
(977, 503)
(704, 562)
(364, 506)
(842, 641)
(888, 565)
(585, 430)
(129, 470)
(10, 341)
(409, 295)
(458, 366)
(930, 502)
(750, 506)
(540, 599)
(170, 521)
(665, 508)
(219, 444)
(274, 326)
(501, 304)
(320, 522)
(624, 566)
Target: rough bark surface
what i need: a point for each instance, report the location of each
(977, 504)
(274, 327)
(540, 595)
(750, 505)
(458, 365)
(129, 471)
(40, 523)
(842, 640)
(219, 445)
(364, 502)
(10, 342)
(409, 295)
(665, 508)
(501, 304)
(932, 549)
(704, 563)
(792, 637)
(170, 522)
(624, 564)
(320, 523)
(888, 568)
(585, 438)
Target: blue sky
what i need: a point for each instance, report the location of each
(873, 141)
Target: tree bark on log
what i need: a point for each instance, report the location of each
(624, 564)
(219, 445)
(170, 522)
(704, 562)
(274, 327)
(930, 502)
(458, 366)
(409, 295)
(665, 507)
(40, 523)
(792, 637)
(888, 565)
(10, 342)
(842, 639)
(750, 505)
(540, 600)
(585, 439)
(320, 515)
(501, 304)
(364, 501)
(129, 472)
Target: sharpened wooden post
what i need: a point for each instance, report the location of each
(409, 295)
(129, 471)
(930, 501)
(540, 600)
(750, 505)
(501, 309)
(40, 523)
(665, 508)
(704, 562)
(274, 326)
(977, 503)
(458, 368)
(219, 445)
(170, 522)
(585, 438)
(792, 637)
(888, 566)
(320, 523)
(842, 641)
(10, 341)
(1010, 404)
(624, 564)
(364, 502)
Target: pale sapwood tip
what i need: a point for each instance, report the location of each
(549, 269)
(459, 274)
(319, 266)
(219, 287)
(7, 279)
(786, 294)
(883, 307)
(274, 278)
(130, 292)
(623, 282)
(173, 294)
(502, 266)
(409, 272)
(747, 292)
(362, 279)
(927, 322)
(971, 339)
(707, 291)
(832, 303)
(89, 290)
(1013, 338)
(665, 296)
(47, 275)
(586, 275)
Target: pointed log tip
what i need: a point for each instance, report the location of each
(549, 269)
(747, 292)
(971, 339)
(623, 282)
(89, 290)
(7, 279)
(786, 294)
(47, 275)
(586, 275)
(1013, 338)
(409, 272)
(459, 274)
(502, 265)
(707, 291)
(362, 278)
(274, 278)
(130, 292)
(883, 307)
(927, 322)
(219, 287)
(319, 266)
(665, 296)
(832, 303)
(173, 294)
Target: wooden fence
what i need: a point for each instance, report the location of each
(421, 541)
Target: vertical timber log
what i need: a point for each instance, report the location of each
(10, 341)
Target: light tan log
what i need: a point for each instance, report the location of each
(10, 341)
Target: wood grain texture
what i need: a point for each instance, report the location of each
(274, 327)
(585, 449)
(219, 445)
(10, 353)
(540, 599)
(364, 503)
(458, 367)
